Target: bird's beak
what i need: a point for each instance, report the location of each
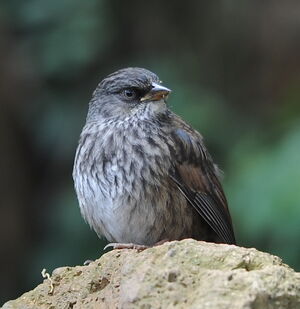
(157, 93)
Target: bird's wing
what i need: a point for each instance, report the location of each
(196, 176)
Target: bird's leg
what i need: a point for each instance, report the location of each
(116, 245)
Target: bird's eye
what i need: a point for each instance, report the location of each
(130, 93)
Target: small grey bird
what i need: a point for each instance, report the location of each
(142, 175)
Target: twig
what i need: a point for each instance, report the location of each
(46, 275)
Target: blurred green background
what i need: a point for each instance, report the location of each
(234, 68)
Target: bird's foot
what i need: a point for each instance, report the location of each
(116, 245)
(161, 242)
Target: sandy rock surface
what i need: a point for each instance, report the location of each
(179, 274)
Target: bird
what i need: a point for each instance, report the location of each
(142, 175)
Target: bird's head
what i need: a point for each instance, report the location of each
(127, 92)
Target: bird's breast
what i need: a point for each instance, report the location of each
(121, 161)
(120, 178)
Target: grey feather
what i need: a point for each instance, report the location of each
(128, 153)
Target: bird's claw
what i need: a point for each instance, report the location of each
(116, 245)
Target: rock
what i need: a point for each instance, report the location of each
(178, 274)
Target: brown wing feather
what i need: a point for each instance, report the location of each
(195, 175)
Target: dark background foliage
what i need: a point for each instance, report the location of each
(234, 68)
